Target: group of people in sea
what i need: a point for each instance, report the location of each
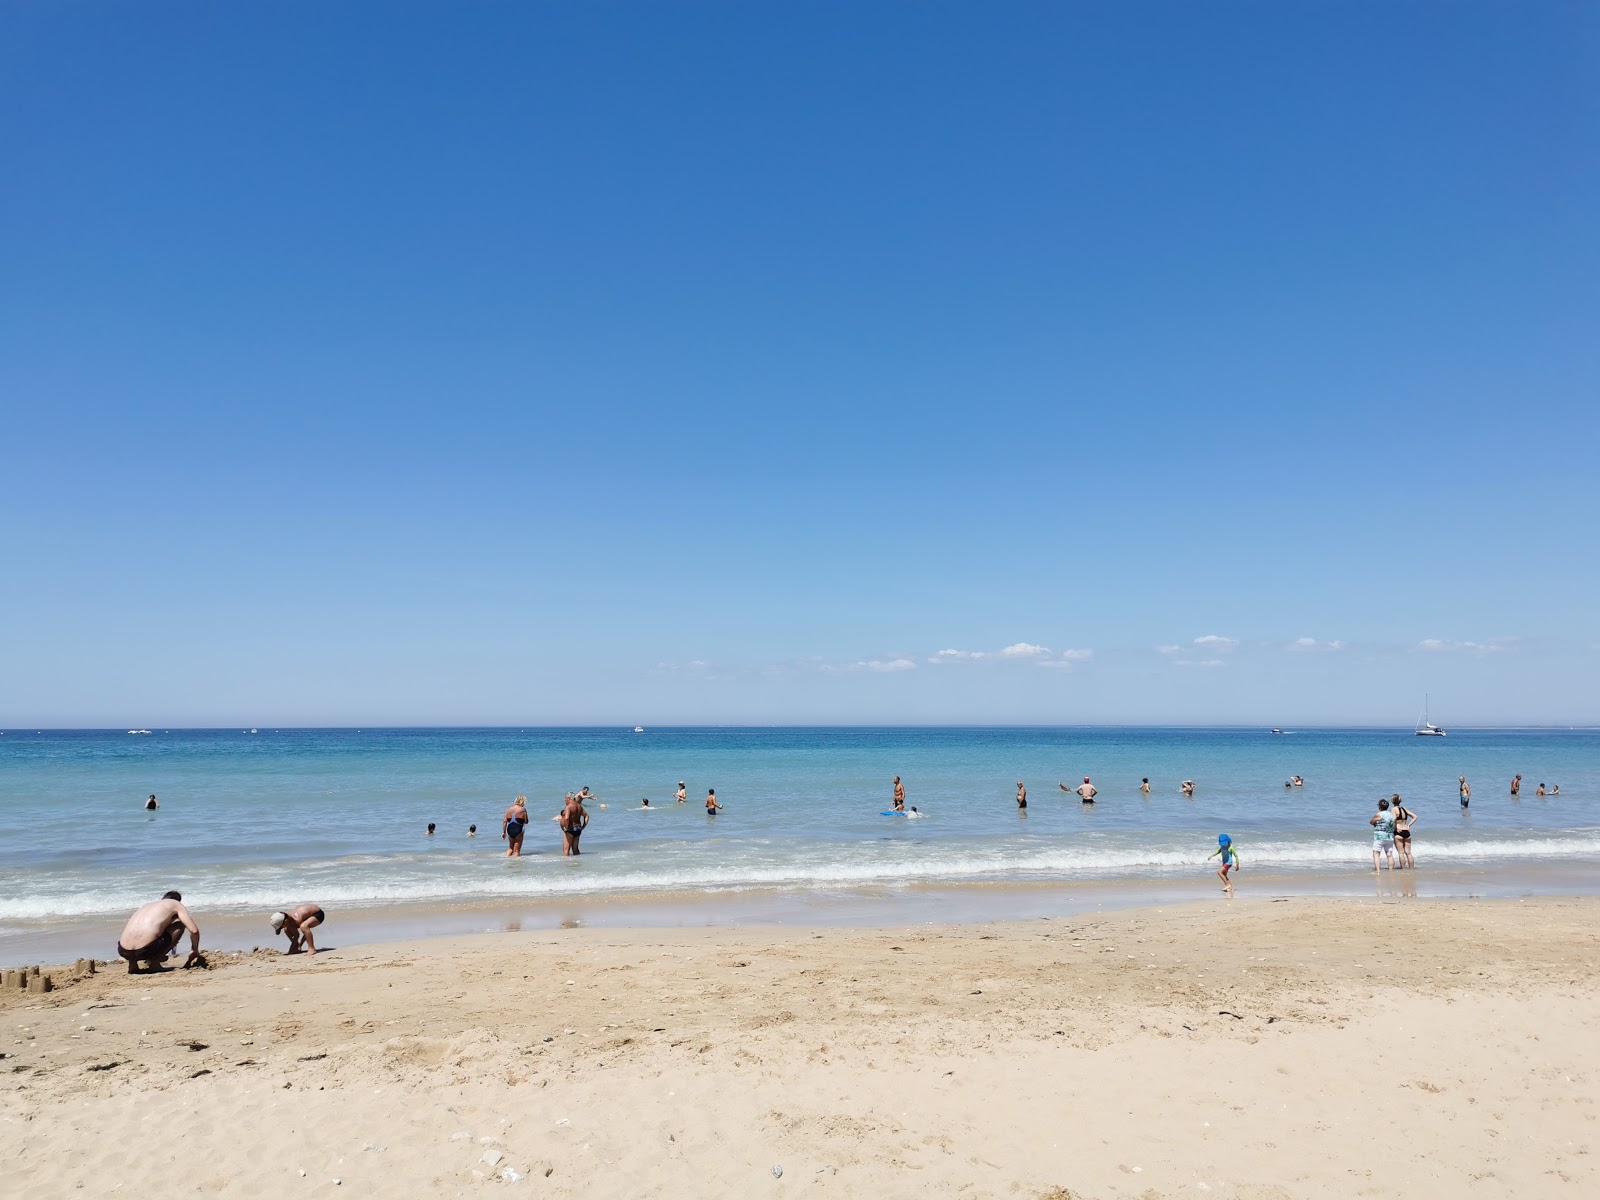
(155, 931)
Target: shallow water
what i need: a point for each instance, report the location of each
(255, 821)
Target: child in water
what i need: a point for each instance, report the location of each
(1230, 861)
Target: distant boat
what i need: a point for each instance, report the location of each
(1425, 727)
(638, 728)
(138, 731)
(1277, 731)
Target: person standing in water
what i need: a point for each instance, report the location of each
(1188, 788)
(1404, 819)
(712, 807)
(513, 825)
(574, 819)
(1230, 861)
(151, 805)
(1144, 785)
(899, 795)
(1022, 795)
(1382, 823)
(1516, 784)
(682, 793)
(1466, 790)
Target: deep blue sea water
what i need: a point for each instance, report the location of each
(252, 821)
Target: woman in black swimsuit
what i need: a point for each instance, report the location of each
(1404, 818)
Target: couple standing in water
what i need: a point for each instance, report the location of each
(573, 819)
(713, 806)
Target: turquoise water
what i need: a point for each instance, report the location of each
(253, 821)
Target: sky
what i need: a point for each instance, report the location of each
(492, 363)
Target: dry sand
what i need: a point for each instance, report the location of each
(1298, 1048)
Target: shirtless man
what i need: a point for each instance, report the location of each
(1022, 795)
(298, 922)
(1516, 785)
(899, 795)
(1086, 791)
(1466, 790)
(154, 931)
(513, 825)
(1144, 785)
(574, 819)
(683, 793)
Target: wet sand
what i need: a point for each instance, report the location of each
(911, 904)
(1290, 1047)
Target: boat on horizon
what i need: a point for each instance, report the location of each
(1425, 727)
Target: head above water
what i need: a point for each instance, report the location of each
(431, 826)
(472, 829)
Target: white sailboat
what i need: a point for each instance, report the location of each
(1425, 727)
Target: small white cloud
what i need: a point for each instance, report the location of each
(1025, 650)
(1169, 649)
(1310, 644)
(1492, 646)
(872, 664)
(945, 656)
(1206, 662)
(697, 664)
(1223, 645)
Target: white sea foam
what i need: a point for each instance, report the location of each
(354, 881)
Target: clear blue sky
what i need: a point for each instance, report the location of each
(497, 363)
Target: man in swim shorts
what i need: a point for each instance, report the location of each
(154, 931)
(1382, 823)
(1230, 861)
(1022, 795)
(899, 795)
(513, 825)
(712, 804)
(1466, 790)
(297, 923)
(573, 820)
(1516, 785)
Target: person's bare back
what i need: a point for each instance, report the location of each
(155, 930)
(297, 923)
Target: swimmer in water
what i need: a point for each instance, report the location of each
(1022, 795)
(645, 803)
(683, 793)
(1188, 788)
(472, 831)
(1144, 785)
(712, 807)
(914, 813)
(151, 805)
(1230, 861)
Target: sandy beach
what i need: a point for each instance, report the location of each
(1261, 1048)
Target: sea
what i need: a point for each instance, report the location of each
(255, 819)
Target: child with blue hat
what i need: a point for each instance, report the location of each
(1230, 861)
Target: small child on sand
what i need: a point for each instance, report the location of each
(1230, 861)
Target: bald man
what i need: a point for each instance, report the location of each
(297, 923)
(154, 931)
